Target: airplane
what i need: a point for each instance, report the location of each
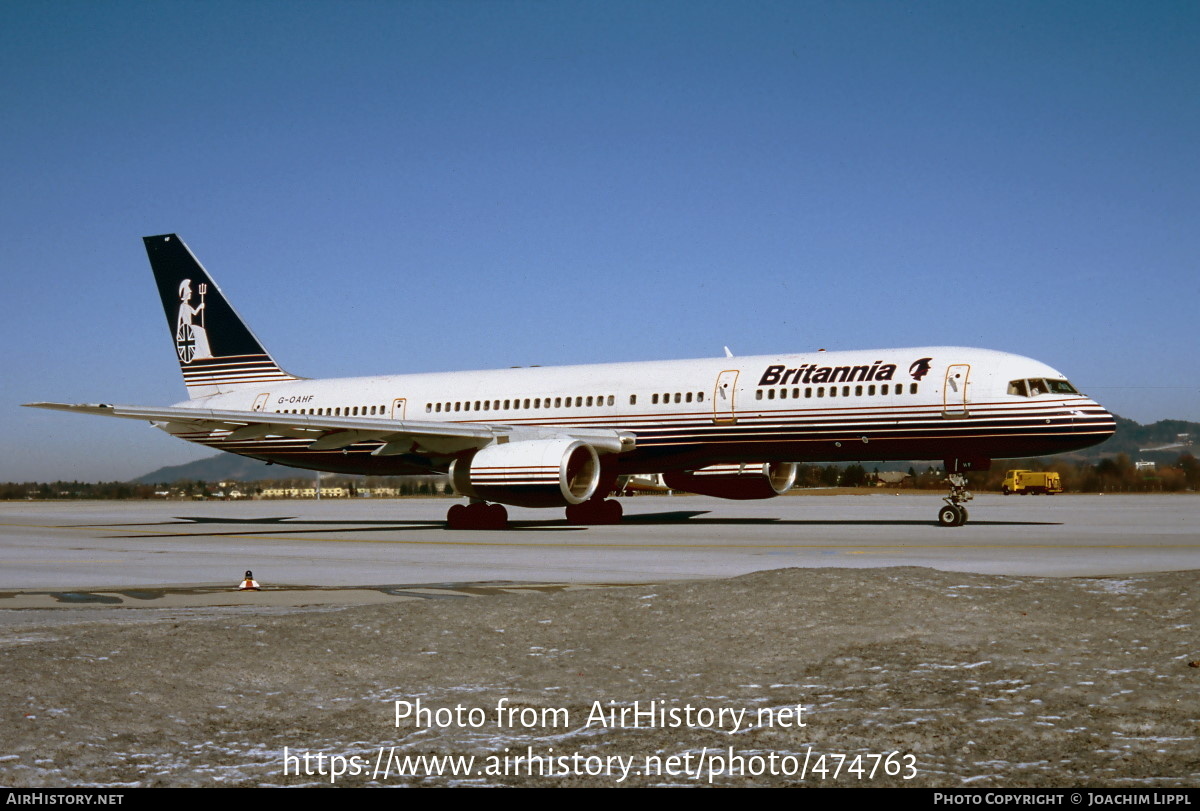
(568, 437)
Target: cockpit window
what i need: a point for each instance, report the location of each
(1061, 387)
(1037, 386)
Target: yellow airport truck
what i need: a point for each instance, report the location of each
(1032, 481)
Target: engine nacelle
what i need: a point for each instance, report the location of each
(741, 482)
(530, 473)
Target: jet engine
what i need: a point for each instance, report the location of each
(741, 482)
(530, 473)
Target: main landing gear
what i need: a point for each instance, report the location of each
(595, 511)
(477, 515)
(481, 515)
(954, 514)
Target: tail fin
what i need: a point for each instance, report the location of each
(217, 351)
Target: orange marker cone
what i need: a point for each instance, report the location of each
(249, 584)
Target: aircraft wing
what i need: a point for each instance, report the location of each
(332, 433)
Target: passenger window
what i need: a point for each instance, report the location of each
(610, 399)
(699, 397)
(632, 399)
(858, 391)
(558, 402)
(833, 391)
(653, 399)
(589, 402)
(689, 397)
(808, 392)
(912, 389)
(820, 391)
(758, 394)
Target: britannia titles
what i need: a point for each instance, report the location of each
(811, 373)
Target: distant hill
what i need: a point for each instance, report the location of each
(1129, 439)
(222, 467)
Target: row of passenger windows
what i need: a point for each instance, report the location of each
(859, 391)
(594, 401)
(520, 405)
(680, 397)
(339, 411)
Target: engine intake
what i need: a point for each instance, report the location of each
(530, 473)
(741, 482)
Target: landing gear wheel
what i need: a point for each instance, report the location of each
(477, 515)
(954, 514)
(456, 517)
(595, 511)
(495, 517)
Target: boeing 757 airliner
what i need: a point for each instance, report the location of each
(731, 427)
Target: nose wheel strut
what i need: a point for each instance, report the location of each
(954, 514)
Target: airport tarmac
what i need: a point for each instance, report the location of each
(966, 677)
(47, 546)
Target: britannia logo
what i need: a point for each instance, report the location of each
(191, 339)
(919, 368)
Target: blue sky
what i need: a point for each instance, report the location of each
(424, 186)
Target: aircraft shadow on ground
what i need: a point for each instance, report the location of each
(291, 525)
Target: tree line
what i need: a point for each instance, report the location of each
(1111, 474)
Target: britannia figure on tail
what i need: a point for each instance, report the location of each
(191, 340)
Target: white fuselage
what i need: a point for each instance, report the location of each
(891, 404)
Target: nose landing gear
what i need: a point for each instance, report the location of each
(954, 514)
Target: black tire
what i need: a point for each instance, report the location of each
(495, 517)
(949, 516)
(577, 514)
(962, 519)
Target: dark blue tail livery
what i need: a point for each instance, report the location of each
(217, 352)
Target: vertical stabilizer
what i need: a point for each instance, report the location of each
(217, 352)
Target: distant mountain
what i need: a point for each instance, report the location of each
(222, 467)
(1132, 437)
(1129, 439)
